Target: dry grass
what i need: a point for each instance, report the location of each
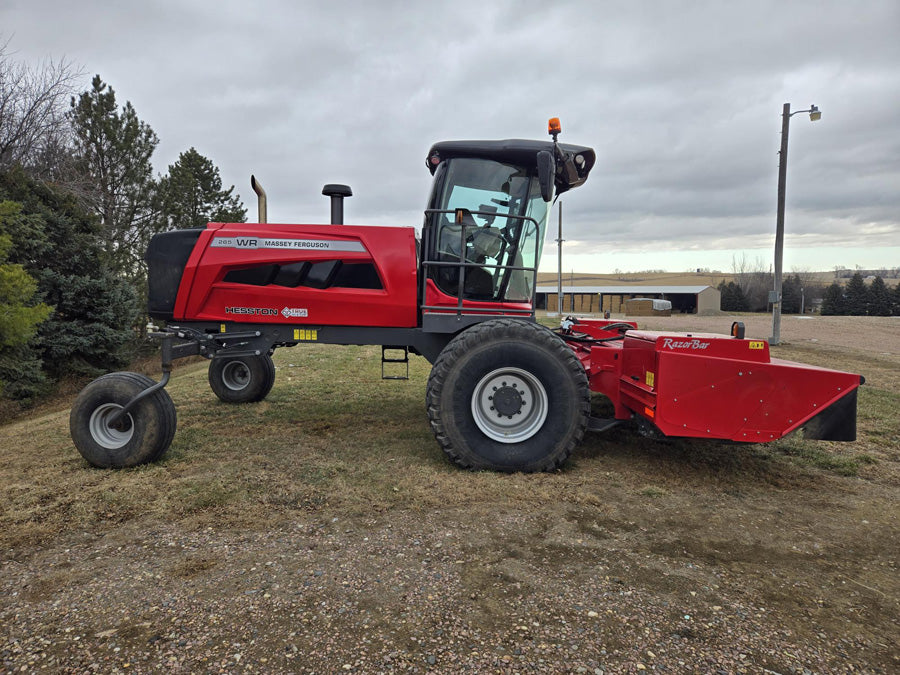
(333, 434)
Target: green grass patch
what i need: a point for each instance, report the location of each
(821, 456)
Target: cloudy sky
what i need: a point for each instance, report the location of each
(681, 100)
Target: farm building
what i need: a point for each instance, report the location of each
(599, 299)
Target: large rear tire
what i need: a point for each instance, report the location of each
(508, 395)
(244, 379)
(143, 435)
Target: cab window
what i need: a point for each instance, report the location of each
(487, 193)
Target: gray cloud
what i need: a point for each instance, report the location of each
(681, 100)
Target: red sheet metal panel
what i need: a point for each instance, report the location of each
(204, 295)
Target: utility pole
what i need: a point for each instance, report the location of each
(559, 241)
(814, 116)
(779, 224)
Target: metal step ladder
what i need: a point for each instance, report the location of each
(389, 355)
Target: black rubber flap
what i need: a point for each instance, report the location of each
(837, 422)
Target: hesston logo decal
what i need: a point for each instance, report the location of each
(669, 343)
(260, 311)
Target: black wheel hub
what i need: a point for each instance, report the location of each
(507, 401)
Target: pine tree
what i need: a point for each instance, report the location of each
(857, 296)
(112, 153)
(790, 295)
(191, 195)
(833, 302)
(21, 376)
(733, 299)
(879, 298)
(56, 242)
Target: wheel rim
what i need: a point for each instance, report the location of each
(236, 375)
(106, 436)
(509, 405)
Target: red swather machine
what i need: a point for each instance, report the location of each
(505, 393)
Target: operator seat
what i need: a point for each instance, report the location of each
(480, 243)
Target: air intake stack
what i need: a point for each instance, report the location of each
(337, 192)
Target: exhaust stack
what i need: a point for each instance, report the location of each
(261, 199)
(337, 192)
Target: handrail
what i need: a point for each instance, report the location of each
(462, 264)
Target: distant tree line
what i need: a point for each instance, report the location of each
(855, 299)
(749, 291)
(859, 299)
(796, 295)
(78, 204)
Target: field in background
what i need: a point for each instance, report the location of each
(323, 528)
(638, 278)
(675, 278)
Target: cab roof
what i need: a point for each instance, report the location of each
(571, 172)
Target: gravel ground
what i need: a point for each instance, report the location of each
(549, 591)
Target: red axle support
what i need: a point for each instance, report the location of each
(704, 385)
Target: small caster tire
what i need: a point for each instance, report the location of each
(142, 436)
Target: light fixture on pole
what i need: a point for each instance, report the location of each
(814, 116)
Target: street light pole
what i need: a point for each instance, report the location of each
(814, 115)
(779, 223)
(559, 241)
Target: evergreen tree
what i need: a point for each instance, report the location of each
(896, 298)
(790, 295)
(833, 302)
(56, 242)
(112, 153)
(857, 296)
(191, 194)
(879, 298)
(20, 369)
(733, 298)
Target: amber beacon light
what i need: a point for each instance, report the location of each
(553, 127)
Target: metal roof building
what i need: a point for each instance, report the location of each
(599, 299)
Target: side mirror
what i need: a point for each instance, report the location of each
(546, 174)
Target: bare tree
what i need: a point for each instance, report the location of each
(755, 280)
(33, 106)
(740, 268)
